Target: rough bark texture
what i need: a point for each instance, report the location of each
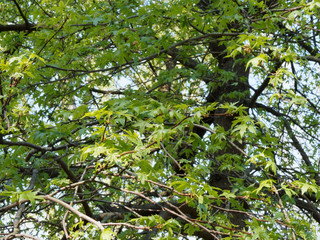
(221, 88)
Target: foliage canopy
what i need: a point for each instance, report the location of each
(159, 119)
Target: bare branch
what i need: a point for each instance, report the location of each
(263, 85)
(174, 160)
(62, 25)
(107, 92)
(75, 211)
(17, 218)
(18, 27)
(22, 14)
(21, 235)
(311, 58)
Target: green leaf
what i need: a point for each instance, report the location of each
(271, 165)
(31, 196)
(107, 234)
(257, 61)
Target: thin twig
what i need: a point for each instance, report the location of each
(22, 14)
(62, 25)
(173, 159)
(284, 212)
(126, 225)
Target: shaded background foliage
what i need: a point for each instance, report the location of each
(159, 119)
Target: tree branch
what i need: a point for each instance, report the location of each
(311, 58)
(18, 27)
(21, 236)
(74, 179)
(22, 14)
(17, 218)
(263, 85)
(296, 144)
(106, 92)
(79, 214)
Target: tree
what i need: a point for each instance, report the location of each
(159, 119)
